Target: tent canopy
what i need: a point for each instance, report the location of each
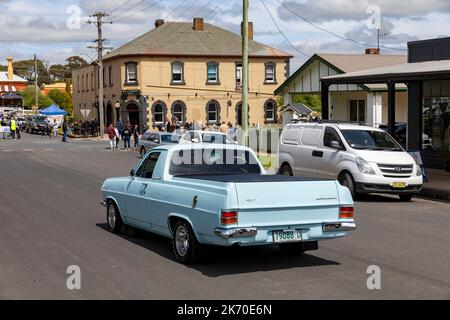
(53, 110)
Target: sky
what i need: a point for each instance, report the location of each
(55, 30)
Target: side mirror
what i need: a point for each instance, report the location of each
(336, 145)
(132, 173)
(195, 140)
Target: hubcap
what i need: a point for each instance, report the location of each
(111, 216)
(182, 240)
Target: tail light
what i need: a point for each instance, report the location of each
(229, 217)
(346, 212)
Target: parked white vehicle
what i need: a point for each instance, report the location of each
(213, 137)
(364, 159)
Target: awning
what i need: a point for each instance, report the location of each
(10, 96)
(53, 110)
(7, 88)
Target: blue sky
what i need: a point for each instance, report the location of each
(49, 28)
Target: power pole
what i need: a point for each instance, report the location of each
(245, 71)
(98, 21)
(36, 89)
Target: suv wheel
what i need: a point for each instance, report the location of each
(286, 170)
(347, 180)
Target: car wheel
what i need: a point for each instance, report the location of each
(286, 170)
(347, 180)
(405, 197)
(113, 218)
(142, 152)
(292, 248)
(185, 245)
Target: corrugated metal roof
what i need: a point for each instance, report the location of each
(4, 78)
(180, 39)
(399, 69)
(355, 62)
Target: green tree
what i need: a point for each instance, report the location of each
(3, 68)
(29, 99)
(69, 101)
(58, 72)
(25, 69)
(311, 100)
(58, 97)
(73, 63)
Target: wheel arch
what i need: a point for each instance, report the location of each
(112, 199)
(174, 217)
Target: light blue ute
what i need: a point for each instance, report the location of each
(221, 195)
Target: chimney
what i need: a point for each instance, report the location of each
(373, 51)
(198, 24)
(10, 69)
(250, 30)
(159, 23)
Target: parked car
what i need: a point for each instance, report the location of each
(401, 133)
(364, 159)
(151, 139)
(36, 124)
(21, 123)
(220, 195)
(195, 136)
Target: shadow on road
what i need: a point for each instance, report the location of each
(368, 198)
(222, 261)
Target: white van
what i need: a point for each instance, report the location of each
(364, 159)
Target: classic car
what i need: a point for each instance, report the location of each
(212, 137)
(152, 139)
(202, 194)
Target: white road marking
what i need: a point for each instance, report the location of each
(49, 149)
(28, 150)
(7, 150)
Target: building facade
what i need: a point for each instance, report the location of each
(365, 103)
(191, 71)
(10, 85)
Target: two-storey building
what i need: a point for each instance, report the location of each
(189, 70)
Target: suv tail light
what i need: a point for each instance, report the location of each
(346, 212)
(229, 217)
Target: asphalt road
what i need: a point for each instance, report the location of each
(51, 219)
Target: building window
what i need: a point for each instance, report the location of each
(92, 81)
(270, 111)
(78, 84)
(177, 72)
(104, 77)
(357, 111)
(87, 82)
(269, 72)
(82, 83)
(213, 112)
(238, 76)
(110, 76)
(179, 111)
(159, 111)
(131, 73)
(212, 73)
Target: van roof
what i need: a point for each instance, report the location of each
(339, 125)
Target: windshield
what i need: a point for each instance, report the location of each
(213, 162)
(216, 138)
(39, 119)
(370, 140)
(170, 138)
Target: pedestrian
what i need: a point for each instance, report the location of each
(126, 136)
(136, 136)
(116, 130)
(55, 128)
(119, 126)
(231, 131)
(223, 128)
(64, 128)
(13, 127)
(111, 135)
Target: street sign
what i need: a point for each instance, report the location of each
(85, 112)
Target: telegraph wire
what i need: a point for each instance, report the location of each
(176, 8)
(143, 9)
(121, 6)
(127, 10)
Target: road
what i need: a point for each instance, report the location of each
(51, 219)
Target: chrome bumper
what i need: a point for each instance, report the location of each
(235, 233)
(103, 203)
(339, 226)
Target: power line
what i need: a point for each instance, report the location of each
(333, 33)
(204, 7)
(281, 32)
(176, 8)
(143, 9)
(128, 10)
(121, 6)
(222, 7)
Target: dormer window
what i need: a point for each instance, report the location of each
(177, 72)
(131, 73)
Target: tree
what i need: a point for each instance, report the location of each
(57, 72)
(29, 98)
(25, 69)
(58, 97)
(73, 63)
(68, 93)
(3, 68)
(311, 100)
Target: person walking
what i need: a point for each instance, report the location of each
(119, 126)
(13, 127)
(64, 128)
(55, 128)
(126, 135)
(111, 135)
(136, 136)
(116, 130)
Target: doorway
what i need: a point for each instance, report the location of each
(134, 114)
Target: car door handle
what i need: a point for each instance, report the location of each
(144, 188)
(318, 154)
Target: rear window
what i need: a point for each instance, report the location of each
(216, 138)
(170, 138)
(213, 162)
(310, 137)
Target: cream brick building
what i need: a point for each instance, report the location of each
(189, 70)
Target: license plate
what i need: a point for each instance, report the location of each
(399, 185)
(287, 236)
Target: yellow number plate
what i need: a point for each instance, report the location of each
(399, 185)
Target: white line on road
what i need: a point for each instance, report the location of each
(7, 150)
(28, 150)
